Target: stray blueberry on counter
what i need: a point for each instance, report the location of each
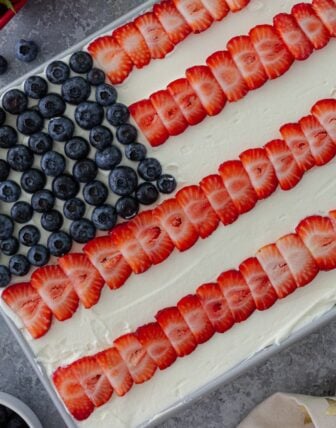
(21, 212)
(104, 217)
(38, 255)
(8, 137)
(82, 230)
(149, 169)
(2, 116)
(75, 90)
(123, 180)
(51, 105)
(84, 170)
(3, 65)
(108, 158)
(127, 133)
(5, 276)
(52, 220)
(74, 209)
(81, 62)
(96, 77)
(117, 114)
(89, 114)
(166, 183)
(35, 87)
(9, 191)
(9, 246)
(147, 193)
(4, 170)
(127, 207)
(65, 187)
(77, 148)
(135, 152)
(100, 137)
(19, 265)
(26, 50)
(29, 235)
(42, 201)
(57, 72)
(20, 158)
(40, 143)
(95, 193)
(29, 122)
(61, 128)
(33, 180)
(106, 94)
(15, 101)
(52, 164)
(6, 226)
(59, 243)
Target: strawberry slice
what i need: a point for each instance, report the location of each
(72, 393)
(125, 241)
(262, 291)
(175, 222)
(293, 37)
(300, 262)
(198, 210)
(298, 145)
(169, 112)
(115, 370)
(238, 185)
(325, 113)
(215, 306)
(326, 11)
(219, 199)
(26, 303)
(177, 331)
(151, 236)
(311, 25)
(227, 75)
(207, 89)
(93, 380)
(218, 8)
(194, 315)
(286, 169)
(111, 58)
(154, 34)
(237, 294)
(277, 270)
(319, 236)
(149, 122)
(236, 5)
(158, 347)
(273, 53)
(195, 14)
(108, 261)
(56, 290)
(138, 362)
(186, 98)
(260, 171)
(172, 21)
(321, 145)
(247, 61)
(84, 277)
(133, 43)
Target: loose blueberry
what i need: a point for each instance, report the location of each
(82, 230)
(74, 209)
(95, 192)
(84, 170)
(65, 187)
(117, 114)
(15, 101)
(100, 137)
(96, 77)
(166, 183)
(21, 212)
(108, 158)
(104, 217)
(52, 220)
(61, 128)
(29, 122)
(20, 158)
(3, 65)
(59, 243)
(57, 72)
(2, 116)
(149, 169)
(26, 50)
(4, 170)
(127, 207)
(9, 246)
(19, 265)
(76, 90)
(42, 201)
(40, 143)
(89, 114)
(8, 137)
(33, 180)
(51, 105)
(52, 164)
(135, 152)
(80, 62)
(9, 191)
(5, 276)
(123, 180)
(29, 235)
(147, 193)
(106, 95)
(127, 134)
(77, 148)
(35, 87)
(38, 255)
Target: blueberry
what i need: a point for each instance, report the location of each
(3, 65)
(42, 201)
(38, 255)
(19, 265)
(52, 164)
(29, 235)
(9, 246)
(32, 180)
(65, 187)
(15, 101)
(57, 72)
(166, 183)
(81, 62)
(149, 169)
(8, 137)
(35, 87)
(29, 122)
(95, 192)
(100, 137)
(51, 105)
(40, 143)
(4, 170)
(21, 212)
(123, 180)
(76, 90)
(96, 77)
(82, 230)
(2, 116)
(26, 50)
(89, 114)
(147, 193)
(61, 128)
(77, 148)
(106, 95)
(74, 209)
(52, 220)
(117, 114)
(9, 191)
(84, 170)
(59, 243)
(108, 158)
(135, 152)
(104, 217)
(127, 133)
(20, 158)
(127, 207)
(5, 277)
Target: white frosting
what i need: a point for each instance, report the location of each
(194, 154)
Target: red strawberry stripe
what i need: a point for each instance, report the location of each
(326, 11)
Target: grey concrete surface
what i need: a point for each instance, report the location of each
(308, 367)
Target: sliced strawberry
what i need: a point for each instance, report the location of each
(238, 185)
(332, 216)
(206, 87)
(277, 270)
(115, 370)
(84, 277)
(300, 262)
(260, 171)
(298, 145)
(26, 303)
(198, 210)
(236, 5)
(286, 169)
(319, 236)
(227, 75)
(154, 34)
(219, 198)
(93, 380)
(158, 347)
(321, 145)
(218, 8)
(196, 15)
(138, 362)
(325, 113)
(56, 290)
(215, 306)
(262, 291)
(172, 21)
(72, 393)
(247, 61)
(326, 11)
(187, 100)
(292, 35)
(108, 261)
(311, 25)
(177, 331)
(169, 112)
(111, 58)
(175, 222)
(237, 294)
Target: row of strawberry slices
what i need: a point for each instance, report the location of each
(277, 270)
(154, 34)
(178, 222)
(249, 61)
